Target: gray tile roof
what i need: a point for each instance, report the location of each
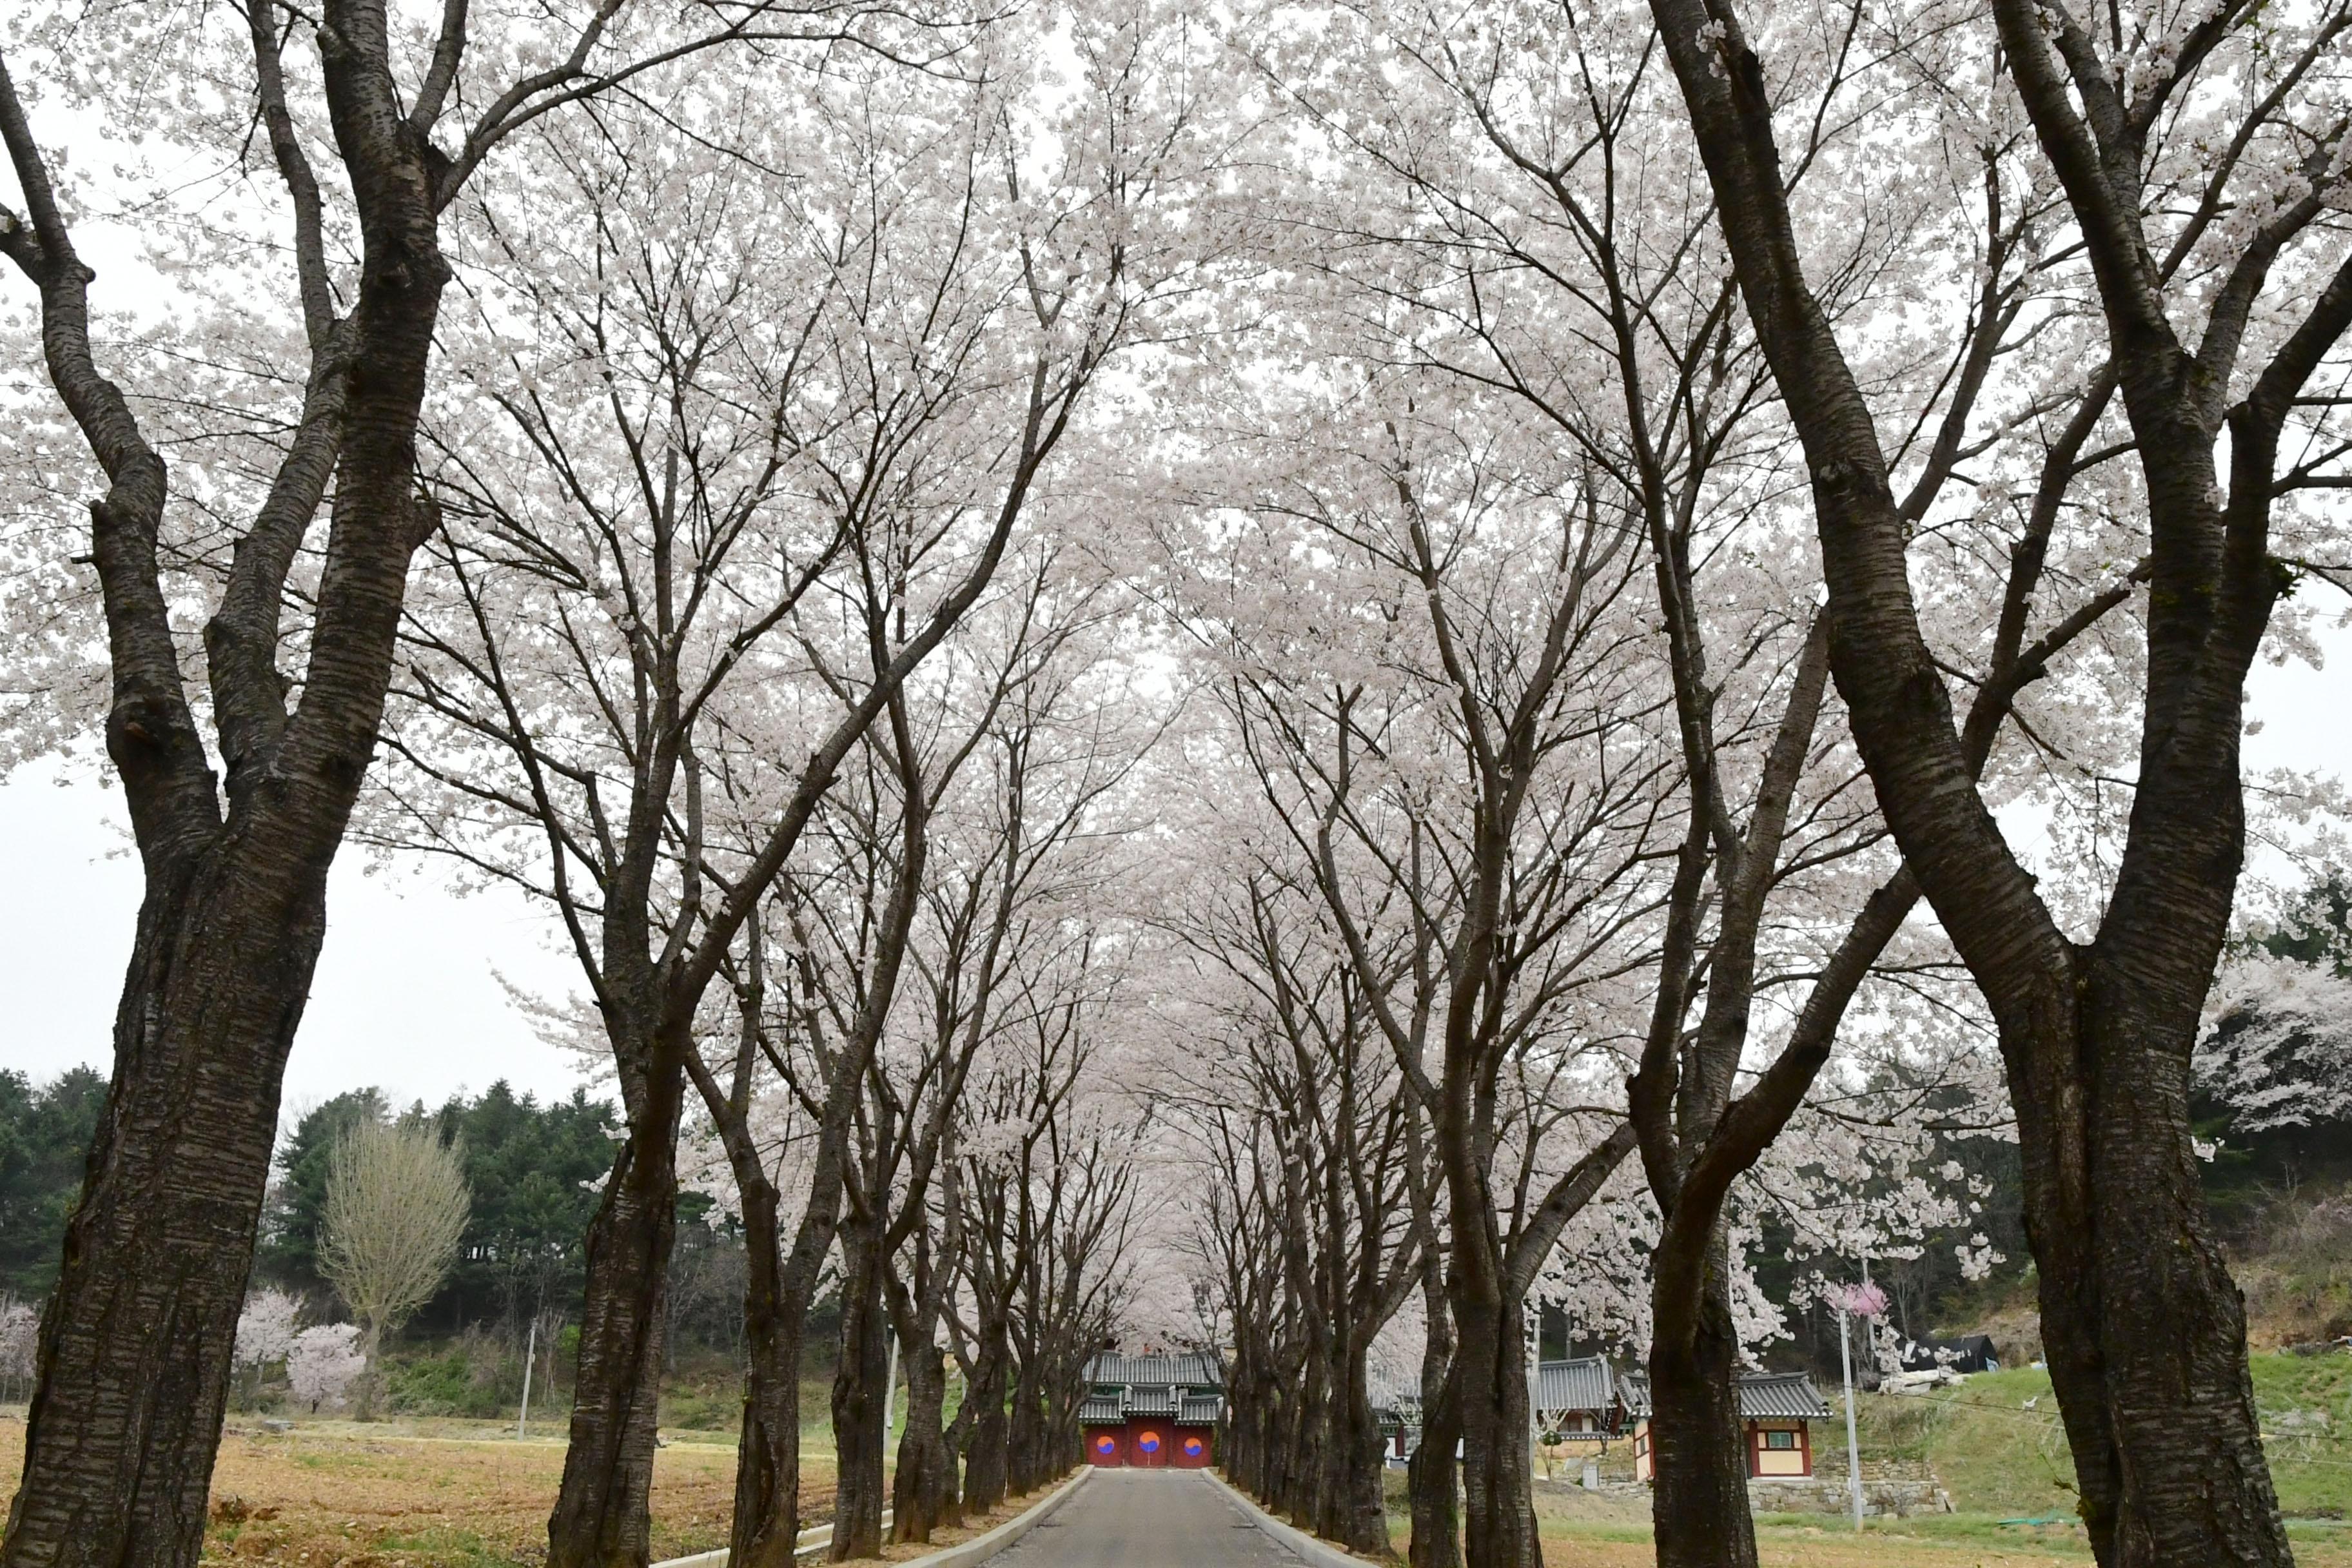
(1150, 1402)
(1399, 1403)
(1199, 1410)
(1783, 1395)
(1582, 1384)
(1155, 1370)
(1100, 1410)
(1763, 1396)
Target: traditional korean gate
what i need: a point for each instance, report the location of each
(1149, 1444)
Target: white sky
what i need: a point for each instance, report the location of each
(407, 995)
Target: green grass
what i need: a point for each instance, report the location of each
(1996, 1443)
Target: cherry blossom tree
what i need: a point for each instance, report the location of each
(2220, 292)
(323, 1364)
(264, 1332)
(20, 1332)
(242, 753)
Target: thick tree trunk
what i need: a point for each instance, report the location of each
(923, 1492)
(135, 1358)
(861, 1394)
(1497, 1460)
(1699, 1503)
(1360, 1513)
(985, 1469)
(602, 1517)
(1433, 1484)
(2145, 1329)
(768, 1449)
(1027, 1430)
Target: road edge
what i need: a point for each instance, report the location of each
(978, 1549)
(981, 1548)
(1305, 1547)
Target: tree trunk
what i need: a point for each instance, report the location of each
(602, 1517)
(985, 1472)
(371, 1373)
(135, 1360)
(1360, 1519)
(923, 1492)
(1027, 1447)
(768, 1450)
(861, 1395)
(2145, 1330)
(1491, 1394)
(1432, 1485)
(134, 1374)
(1434, 1482)
(1699, 1500)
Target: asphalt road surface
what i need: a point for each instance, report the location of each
(1146, 1519)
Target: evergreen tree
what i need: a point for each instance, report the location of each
(45, 1133)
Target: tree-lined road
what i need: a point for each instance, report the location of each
(1148, 1519)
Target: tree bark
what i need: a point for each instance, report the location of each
(1699, 1463)
(923, 1491)
(132, 1378)
(134, 1361)
(986, 1454)
(1359, 1512)
(600, 1518)
(2146, 1329)
(1433, 1483)
(768, 1449)
(861, 1392)
(1490, 1395)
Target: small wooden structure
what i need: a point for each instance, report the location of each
(1151, 1411)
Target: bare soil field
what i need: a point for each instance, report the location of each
(447, 1494)
(425, 1494)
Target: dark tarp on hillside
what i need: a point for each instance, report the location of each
(1965, 1353)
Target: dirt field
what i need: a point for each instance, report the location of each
(424, 1495)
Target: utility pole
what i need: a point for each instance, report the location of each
(1853, 1453)
(1533, 1317)
(530, 1354)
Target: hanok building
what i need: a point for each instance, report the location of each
(1397, 1410)
(1580, 1400)
(1152, 1411)
(1777, 1411)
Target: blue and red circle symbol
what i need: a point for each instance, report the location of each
(1105, 1445)
(1149, 1442)
(1192, 1447)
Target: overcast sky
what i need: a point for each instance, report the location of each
(408, 996)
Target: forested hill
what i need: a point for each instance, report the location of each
(533, 1171)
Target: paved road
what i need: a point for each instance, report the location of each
(1146, 1519)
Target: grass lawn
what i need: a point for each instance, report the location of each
(1995, 1445)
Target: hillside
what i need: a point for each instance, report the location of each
(1995, 1444)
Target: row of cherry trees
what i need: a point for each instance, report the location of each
(1529, 642)
(696, 396)
(1644, 809)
